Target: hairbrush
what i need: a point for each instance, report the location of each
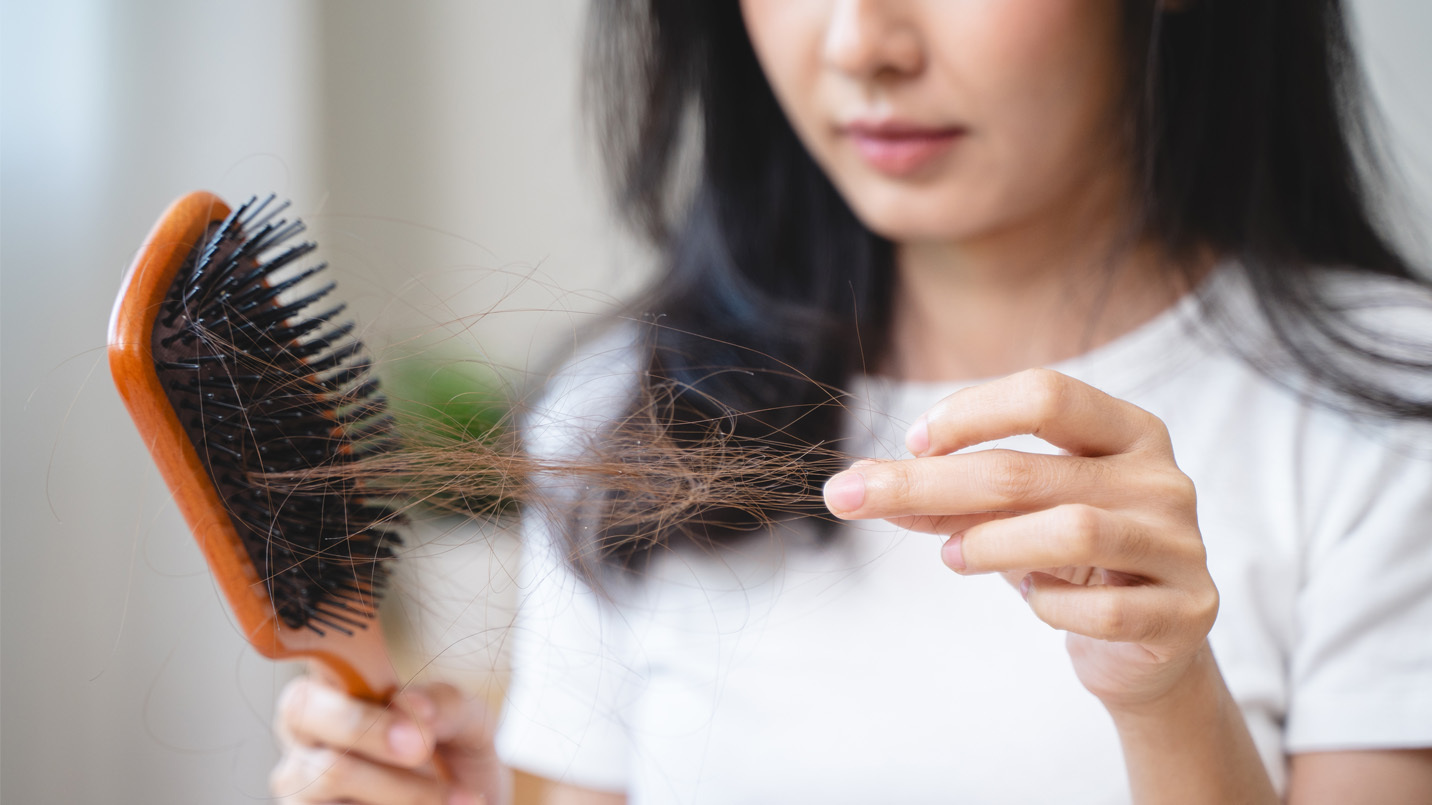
(253, 399)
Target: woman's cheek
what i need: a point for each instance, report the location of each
(787, 39)
(1045, 85)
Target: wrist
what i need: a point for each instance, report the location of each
(1194, 685)
(1189, 742)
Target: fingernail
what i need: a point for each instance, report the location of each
(406, 740)
(1024, 585)
(463, 798)
(954, 553)
(845, 492)
(917, 438)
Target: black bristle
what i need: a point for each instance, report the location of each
(263, 385)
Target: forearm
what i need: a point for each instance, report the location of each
(1192, 744)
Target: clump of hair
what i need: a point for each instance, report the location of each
(659, 473)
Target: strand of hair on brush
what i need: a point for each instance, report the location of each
(274, 387)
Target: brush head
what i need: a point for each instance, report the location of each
(275, 395)
(255, 402)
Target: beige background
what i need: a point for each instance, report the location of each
(434, 149)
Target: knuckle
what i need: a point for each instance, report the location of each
(1205, 608)
(293, 711)
(1197, 553)
(1153, 434)
(1010, 476)
(308, 773)
(279, 779)
(1048, 393)
(290, 700)
(350, 723)
(1108, 617)
(1175, 490)
(1138, 547)
(1154, 426)
(1184, 493)
(441, 693)
(901, 483)
(329, 768)
(1082, 528)
(326, 716)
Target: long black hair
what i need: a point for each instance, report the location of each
(1248, 138)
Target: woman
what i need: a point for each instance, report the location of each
(1160, 201)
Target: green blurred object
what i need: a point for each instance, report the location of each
(451, 401)
(457, 400)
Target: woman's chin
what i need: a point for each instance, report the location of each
(918, 226)
(908, 214)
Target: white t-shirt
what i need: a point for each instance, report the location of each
(782, 670)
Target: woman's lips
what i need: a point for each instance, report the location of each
(898, 149)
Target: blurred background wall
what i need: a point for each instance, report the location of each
(435, 151)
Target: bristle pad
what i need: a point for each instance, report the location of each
(267, 391)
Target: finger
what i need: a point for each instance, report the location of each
(457, 717)
(322, 775)
(946, 524)
(314, 715)
(1151, 615)
(969, 483)
(1071, 535)
(1058, 409)
(463, 726)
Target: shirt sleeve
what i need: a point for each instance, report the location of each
(565, 718)
(1361, 665)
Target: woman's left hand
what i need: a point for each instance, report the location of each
(1103, 541)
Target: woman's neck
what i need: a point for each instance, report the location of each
(1020, 298)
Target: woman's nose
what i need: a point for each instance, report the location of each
(873, 39)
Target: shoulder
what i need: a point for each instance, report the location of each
(1264, 396)
(1280, 456)
(572, 443)
(1387, 315)
(593, 385)
(1372, 329)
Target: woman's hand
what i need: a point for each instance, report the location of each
(1103, 542)
(339, 749)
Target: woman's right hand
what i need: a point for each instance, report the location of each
(340, 749)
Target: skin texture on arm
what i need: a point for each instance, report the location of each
(529, 789)
(1192, 745)
(1392, 776)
